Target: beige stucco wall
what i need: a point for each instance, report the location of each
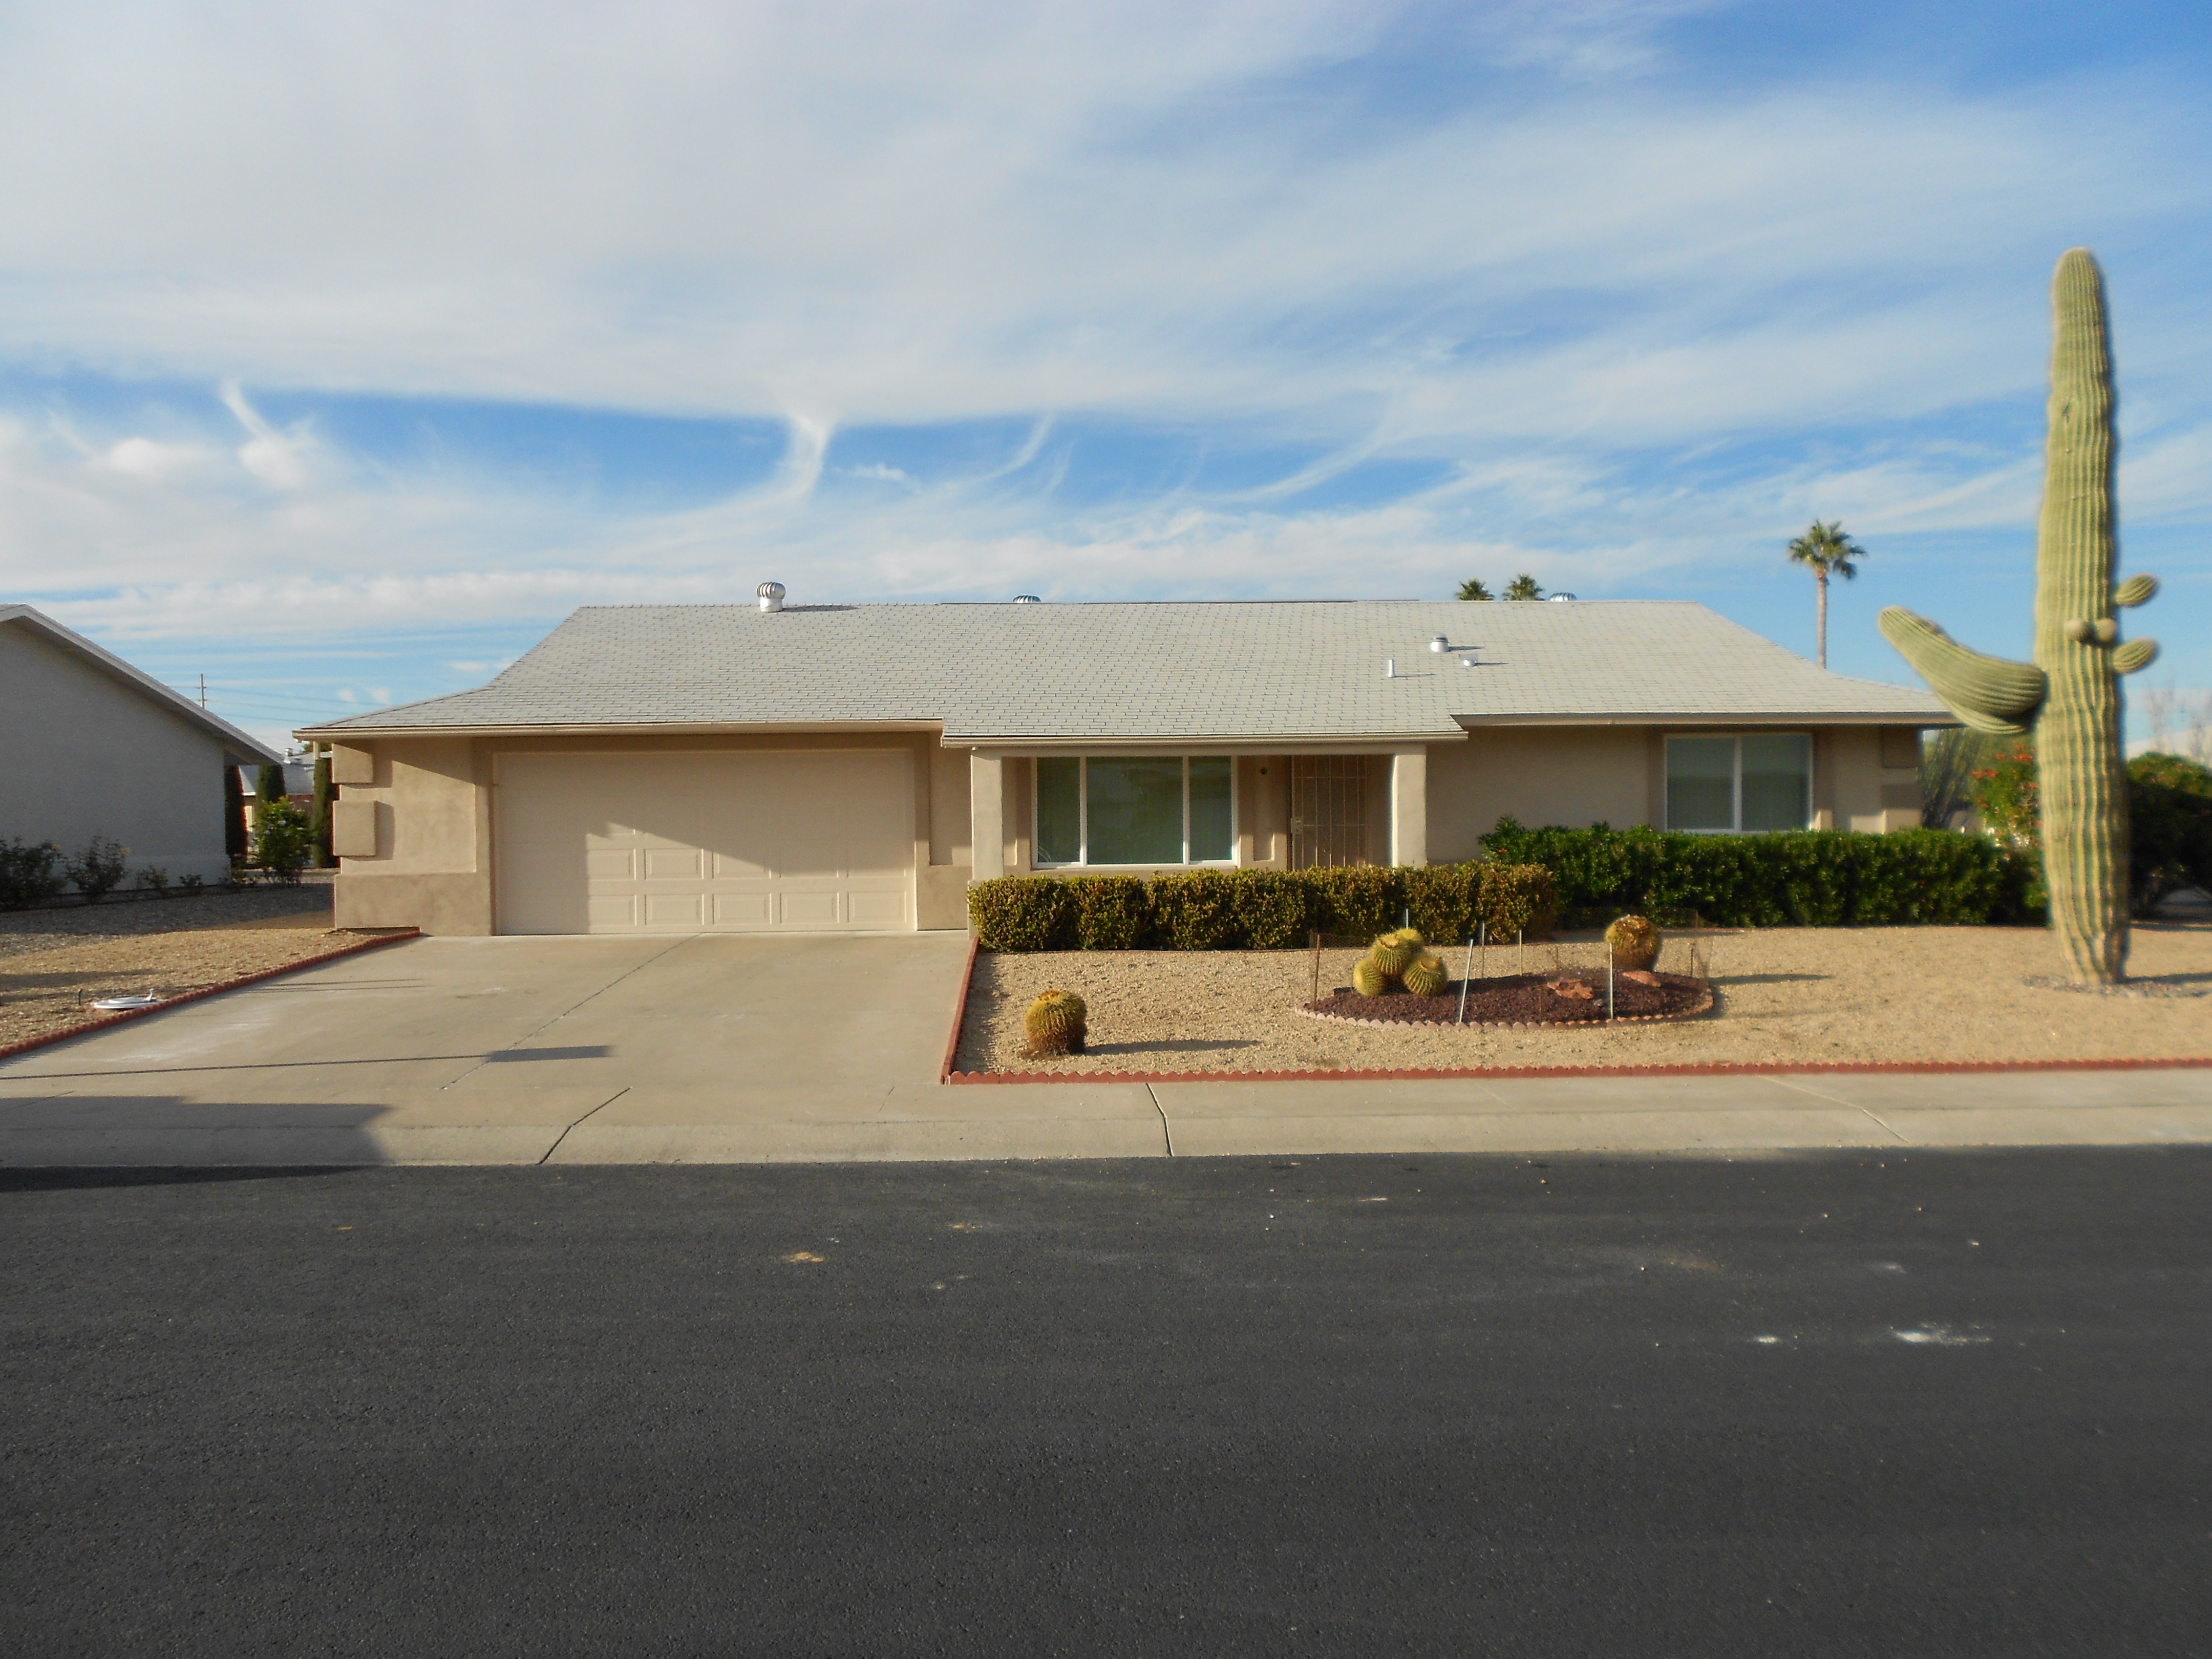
(1864, 778)
(430, 802)
(81, 755)
(431, 799)
(1573, 776)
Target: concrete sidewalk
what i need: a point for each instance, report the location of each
(723, 1049)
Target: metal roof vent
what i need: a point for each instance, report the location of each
(1027, 598)
(1561, 598)
(1440, 644)
(771, 596)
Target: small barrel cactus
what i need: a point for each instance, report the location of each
(1425, 977)
(1634, 942)
(1370, 980)
(1055, 1023)
(1395, 952)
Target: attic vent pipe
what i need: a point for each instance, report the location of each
(771, 596)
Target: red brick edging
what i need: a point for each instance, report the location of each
(1714, 1068)
(944, 1072)
(10, 1050)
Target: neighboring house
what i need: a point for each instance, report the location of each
(72, 711)
(676, 768)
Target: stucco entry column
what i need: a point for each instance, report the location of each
(987, 804)
(1409, 807)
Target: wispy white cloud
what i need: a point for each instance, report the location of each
(1617, 320)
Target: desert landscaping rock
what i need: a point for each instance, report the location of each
(55, 963)
(1782, 996)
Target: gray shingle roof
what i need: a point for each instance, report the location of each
(1249, 671)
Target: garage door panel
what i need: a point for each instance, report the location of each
(742, 842)
(811, 910)
(674, 864)
(744, 909)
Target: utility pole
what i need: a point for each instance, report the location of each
(202, 690)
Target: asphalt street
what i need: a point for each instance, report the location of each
(1858, 1403)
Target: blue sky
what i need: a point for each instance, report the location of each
(342, 355)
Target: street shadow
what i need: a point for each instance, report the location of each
(1768, 978)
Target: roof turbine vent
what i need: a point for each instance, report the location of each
(1027, 598)
(1560, 599)
(771, 596)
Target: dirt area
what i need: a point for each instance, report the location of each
(1785, 995)
(52, 963)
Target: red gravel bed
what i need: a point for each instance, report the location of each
(1524, 1000)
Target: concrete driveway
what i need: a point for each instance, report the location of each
(590, 1050)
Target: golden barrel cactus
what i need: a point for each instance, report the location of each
(1425, 977)
(1633, 941)
(1395, 952)
(1055, 1024)
(1370, 980)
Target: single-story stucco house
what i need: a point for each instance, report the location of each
(91, 746)
(678, 768)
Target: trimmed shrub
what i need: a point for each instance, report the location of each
(1275, 907)
(96, 870)
(1196, 910)
(1806, 878)
(233, 814)
(31, 872)
(2170, 813)
(1020, 913)
(1109, 913)
(1358, 900)
(281, 839)
(1517, 899)
(319, 819)
(1445, 900)
(269, 783)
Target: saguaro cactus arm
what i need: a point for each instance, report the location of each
(1988, 693)
(2136, 590)
(2135, 656)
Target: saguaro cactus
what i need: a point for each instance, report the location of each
(2070, 696)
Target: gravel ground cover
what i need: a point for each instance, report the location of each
(1785, 995)
(53, 963)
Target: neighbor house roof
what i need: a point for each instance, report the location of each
(1249, 672)
(239, 746)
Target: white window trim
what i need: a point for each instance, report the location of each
(1082, 861)
(1735, 787)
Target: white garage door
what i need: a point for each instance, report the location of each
(610, 844)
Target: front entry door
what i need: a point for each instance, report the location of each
(1328, 810)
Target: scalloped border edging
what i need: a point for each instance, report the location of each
(8, 1051)
(1416, 1074)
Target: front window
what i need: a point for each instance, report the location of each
(1149, 809)
(1756, 782)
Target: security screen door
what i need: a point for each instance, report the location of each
(1328, 810)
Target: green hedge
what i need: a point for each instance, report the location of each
(1255, 909)
(1808, 878)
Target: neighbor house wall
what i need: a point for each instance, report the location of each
(81, 755)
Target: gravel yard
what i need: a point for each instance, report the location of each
(52, 963)
(1785, 995)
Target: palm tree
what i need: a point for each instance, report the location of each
(1471, 588)
(1825, 551)
(1524, 587)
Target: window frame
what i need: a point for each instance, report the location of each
(1082, 861)
(1735, 782)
